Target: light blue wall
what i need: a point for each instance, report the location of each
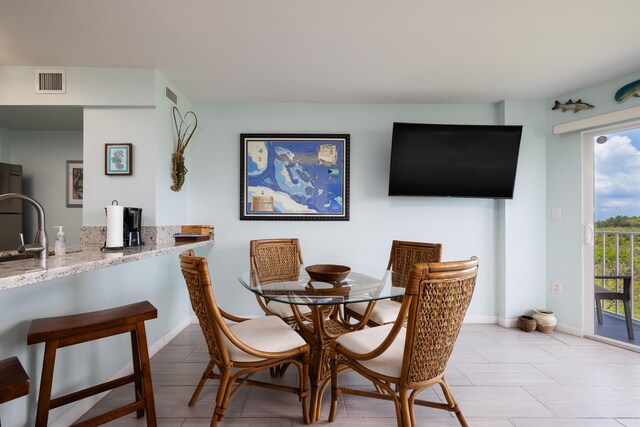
(466, 227)
(524, 229)
(166, 141)
(564, 190)
(136, 126)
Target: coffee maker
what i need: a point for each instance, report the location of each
(132, 226)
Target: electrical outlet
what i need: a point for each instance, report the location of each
(556, 287)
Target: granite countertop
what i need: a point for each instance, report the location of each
(14, 274)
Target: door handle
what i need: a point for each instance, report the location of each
(588, 234)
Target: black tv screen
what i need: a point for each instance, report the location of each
(454, 160)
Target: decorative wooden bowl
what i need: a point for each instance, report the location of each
(331, 273)
(527, 323)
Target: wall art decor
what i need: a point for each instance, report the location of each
(118, 159)
(627, 91)
(294, 177)
(185, 127)
(74, 183)
(570, 105)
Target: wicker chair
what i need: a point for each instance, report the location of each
(403, 256)
(415, 357)
(276, 260)
(249, 346)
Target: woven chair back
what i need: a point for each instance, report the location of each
(275, 259)
(440, 294)
(196, 275)
(405, 254)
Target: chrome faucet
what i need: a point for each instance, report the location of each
(39, 246)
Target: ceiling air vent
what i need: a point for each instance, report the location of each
(171, 96)
(50, 81)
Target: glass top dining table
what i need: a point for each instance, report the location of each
(325, 322)
(362, 284)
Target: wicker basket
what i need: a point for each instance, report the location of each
(527, 323)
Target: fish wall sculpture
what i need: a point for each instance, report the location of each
(627, 91)
(570, 105)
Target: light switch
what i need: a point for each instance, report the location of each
(556, 213)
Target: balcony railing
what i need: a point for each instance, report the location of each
(615, 253)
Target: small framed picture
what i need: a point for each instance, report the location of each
(118, 159)
(74, 183)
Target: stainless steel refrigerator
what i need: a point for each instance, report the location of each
(10, 210)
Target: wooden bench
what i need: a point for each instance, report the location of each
(63, 331)
(14, 381)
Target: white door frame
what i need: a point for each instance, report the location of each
(588, 199)
(588, 192)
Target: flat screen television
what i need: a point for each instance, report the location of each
(449, 160)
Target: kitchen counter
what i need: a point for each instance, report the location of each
(14, 274)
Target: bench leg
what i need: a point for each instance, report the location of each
(628, 316)
(137, 372)
(146, 374)
(46, 380)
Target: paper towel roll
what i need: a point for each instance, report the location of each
(115, 226)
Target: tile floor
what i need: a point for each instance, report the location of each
(501, 377)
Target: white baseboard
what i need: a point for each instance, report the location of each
(508, 323)
(173, 332)
(513, 323)
(76, 411)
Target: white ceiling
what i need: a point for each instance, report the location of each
(429, 51)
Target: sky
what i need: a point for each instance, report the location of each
(617, 175)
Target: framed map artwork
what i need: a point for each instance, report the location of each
(294, 177)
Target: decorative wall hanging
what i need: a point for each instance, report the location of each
(185, 127)
(74, 183)
(118, 159)
(627, 91)
(294, 177)
(570, 105)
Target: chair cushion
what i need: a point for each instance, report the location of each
(385, 311)
(284, 310)
(269, 333)
(388, 363)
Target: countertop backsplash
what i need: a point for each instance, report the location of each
(151, 235)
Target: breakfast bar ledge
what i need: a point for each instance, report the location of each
(79, 283)
(17, 273)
